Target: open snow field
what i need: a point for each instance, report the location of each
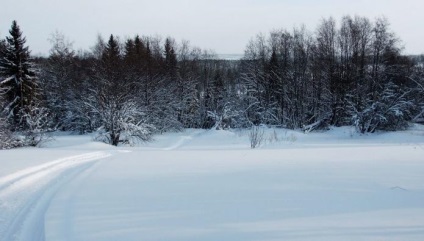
(210, 186)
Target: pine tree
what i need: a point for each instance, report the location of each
(129, 52)
(170, 59)
(20, 80)
(135, 59)
(111, 59)
(139, 49)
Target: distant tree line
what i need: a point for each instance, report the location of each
(353, 73)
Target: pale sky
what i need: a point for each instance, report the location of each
(221, 25)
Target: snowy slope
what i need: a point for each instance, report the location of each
(209, 185)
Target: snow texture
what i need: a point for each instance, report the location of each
(209, 185)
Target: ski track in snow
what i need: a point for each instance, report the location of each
(179, 143)
(26, 195)
(184, 140)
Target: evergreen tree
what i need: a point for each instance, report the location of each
(111, 59)
(20, 80)
(135, 59)
(170, 59)
(140, 49)
(129, 52)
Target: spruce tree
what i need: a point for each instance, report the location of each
(170, 59)
(129, 52)
(111, 59)
(19, 78)
(139, 47)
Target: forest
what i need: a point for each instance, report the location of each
(347, 72)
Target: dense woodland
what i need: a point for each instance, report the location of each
(350, 72)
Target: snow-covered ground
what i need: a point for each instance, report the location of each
(210, 186)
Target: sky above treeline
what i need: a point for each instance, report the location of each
(224, 26)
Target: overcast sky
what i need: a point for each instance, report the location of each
(222, 25)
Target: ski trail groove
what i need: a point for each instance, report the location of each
(183, 140)
(26, 195)
(12, 178)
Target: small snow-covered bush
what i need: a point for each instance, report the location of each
(290, 137)
(122, 121)
(391, 111)
(226, 117)
(130, 134)
(7, 139)
(256, 136)
(322, 124)
(273, 137)
(36, 132)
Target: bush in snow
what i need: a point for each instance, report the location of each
(121, 120)
(7, 139)
(256, 136)
(37, 120)
(391, 111)
(225, 117)
(322, 124)
(35, 134)
(126, 133)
